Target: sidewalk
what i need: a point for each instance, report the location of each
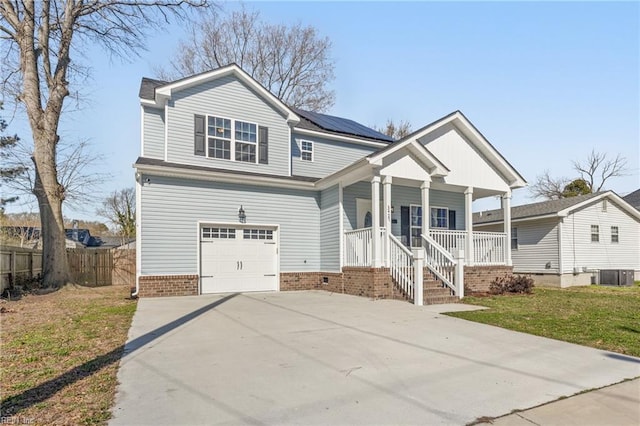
(615, 405)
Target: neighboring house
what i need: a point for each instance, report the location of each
(633, 199)
(567, 242)
(236, 191)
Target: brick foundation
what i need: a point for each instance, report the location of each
(168, 285)
(375, 283)
(477, 279)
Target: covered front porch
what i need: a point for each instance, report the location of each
(408, 208)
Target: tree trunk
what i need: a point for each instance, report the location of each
(50, 194)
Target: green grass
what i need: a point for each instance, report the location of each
(60, 354)
(601, 317)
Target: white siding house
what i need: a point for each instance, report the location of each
(569, 241)
(236, 191)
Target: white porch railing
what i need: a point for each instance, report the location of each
(440, 262)
(489, 248)
(358, 247)
(401, 267)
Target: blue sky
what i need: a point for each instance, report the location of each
(545, 82)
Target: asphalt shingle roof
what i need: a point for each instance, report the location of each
(633, 199)
(532, 210)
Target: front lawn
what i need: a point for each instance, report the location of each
(602, 317)
(60, 354)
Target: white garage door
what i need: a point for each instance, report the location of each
(234, 259)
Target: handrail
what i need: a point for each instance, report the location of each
(401, 267)
(439, 261)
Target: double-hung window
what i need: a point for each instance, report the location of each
(514, 238)
(439, 217)
(229, 139)
(306, 150)
(246, 141)
(595, 233)
(219, 137)
(614, 234)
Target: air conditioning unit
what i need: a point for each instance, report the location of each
(616, 277)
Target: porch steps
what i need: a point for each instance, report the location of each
(435, 293)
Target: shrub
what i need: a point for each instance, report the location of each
(520, 284)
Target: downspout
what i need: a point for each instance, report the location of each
(138, 232)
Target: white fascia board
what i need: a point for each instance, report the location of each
(149, 102)
(522, 219)
(168, 89)
(517, 181)
(339, 138)
(224, 177)
(610, 195)
(435, 166)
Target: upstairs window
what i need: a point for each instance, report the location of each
(219, 137)
(229, 139)
(246, 141)
(306, 150)
(614, 234)
(595, 234)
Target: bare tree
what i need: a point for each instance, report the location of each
(40, 40)
(8, 172)
(76, 167)
(291, 61)
(548, 187)
(598, 169)
(120, 209)
(396, 131)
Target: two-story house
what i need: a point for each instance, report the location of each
(238, 192)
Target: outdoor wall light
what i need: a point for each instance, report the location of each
(241, 215)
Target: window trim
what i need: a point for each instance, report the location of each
(232, 140)
(616, 234)
(595, 234)
(446, 217)
(302, 150)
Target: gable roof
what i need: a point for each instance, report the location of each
(550, 208)
(164, 90)
(305, 120)
(480, 142)
(633, 198)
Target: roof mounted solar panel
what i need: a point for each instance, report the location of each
(342, 125)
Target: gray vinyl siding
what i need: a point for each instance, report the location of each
(328, 156)
(330, 229)
(578, 251)
(173, 206)
(226, 97)
(537, 245)
(153, 132)
(400, 196)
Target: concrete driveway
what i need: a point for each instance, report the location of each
(322, 358)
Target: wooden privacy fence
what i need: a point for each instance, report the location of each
(90, 267)
(18, 262)
(87, 267)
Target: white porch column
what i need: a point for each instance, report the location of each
(426, 211)
(468, 225)
(375, 225)
(506, 209)
(386, 201)
(341, 222)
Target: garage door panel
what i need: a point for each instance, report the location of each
(238, 260)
